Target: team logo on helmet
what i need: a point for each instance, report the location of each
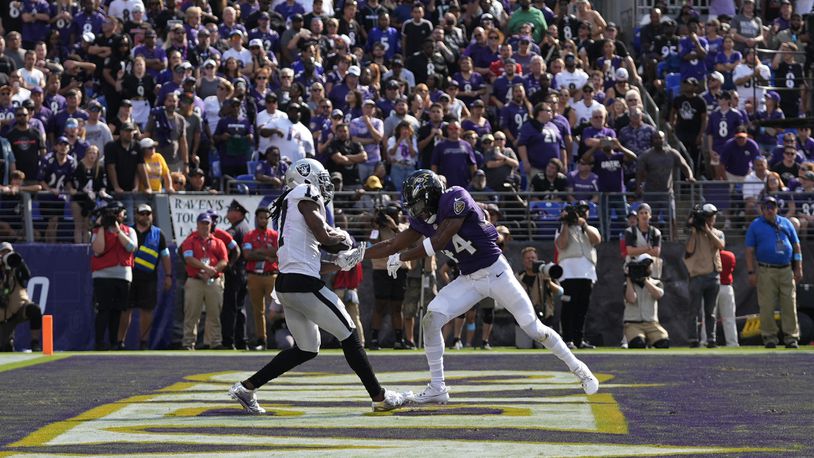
(459, 206)
(304, 169)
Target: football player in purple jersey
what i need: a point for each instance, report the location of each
(454, 224)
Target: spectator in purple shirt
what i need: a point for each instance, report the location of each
(583, 183)
(272, 171)
(454, 158)
(154, 56)
(539, 141)
(737, 156)
(289, 8)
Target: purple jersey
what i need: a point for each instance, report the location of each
(609, 71)
(64, 27)
(695, 68)
(609, 171)
(390, 38)
(583, 188)
(56, 175)
(37, 30)
(722, 127)
(474, 247)
(532, 84)
(738, 159)
(453, 159)
(502, 87)
(482, 55)
(57, 126)
(87, 23)
(764, 137)
(270, 39)
(713, 46)
(512, 117)
(468, 124)
(542, 142)
(286, 10)
(474, 83)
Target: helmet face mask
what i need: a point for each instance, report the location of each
(310, 171)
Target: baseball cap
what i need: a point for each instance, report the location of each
(808, 176)
(71, 123)
(126, 102)
(210, 63)
(190, 80)
(632, 212)
(94, 105)
(237, 32)
(146, 142)
(644, 257)
(373, 182)
(478, 103)
(236, 206)
(256, 42)
(621, 74)
(296, 18)
(709, 209)
(127, 125)
(144, 208)
(205, 218)
(716, 75)
(196, 172)
(692, 81)
(369, 102)
(398, 63)
(769, 200)
(36, 90)
(480, 173)
(336, 176)
(137, 8)
(773, 95)
(62, 139)
(611, 25)
(337, 113)
(5, 246)
(354, 70)
(263, 15)
(509, 61)
(150, 33)
(233, 101)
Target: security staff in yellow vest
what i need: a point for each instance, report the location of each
(576, 254)
(152, 246)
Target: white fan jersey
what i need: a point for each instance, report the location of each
(298, 251)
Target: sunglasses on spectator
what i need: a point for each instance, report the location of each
(789, 153)
(486, 142)
(224, 88)
(146, 212)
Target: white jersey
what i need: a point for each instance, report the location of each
(746, 90)
(568, 80)
(298, 251)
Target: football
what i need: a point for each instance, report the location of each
(344, 245)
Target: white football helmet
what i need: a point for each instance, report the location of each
(310, 171)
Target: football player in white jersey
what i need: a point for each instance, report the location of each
(309, 304)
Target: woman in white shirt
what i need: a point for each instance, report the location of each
(402, 152)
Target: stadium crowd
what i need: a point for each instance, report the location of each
(126, 98)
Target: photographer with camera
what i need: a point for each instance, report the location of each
(539, 280)
(113, 244)
(641, 316)
(15, 306)
(388, 291)
(642, 238)
(575, 242)
(702, 257)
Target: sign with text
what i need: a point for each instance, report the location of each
(184, 211)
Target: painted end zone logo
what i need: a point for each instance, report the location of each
(315, 413)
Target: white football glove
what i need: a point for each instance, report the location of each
(347, 259)
(393, 265)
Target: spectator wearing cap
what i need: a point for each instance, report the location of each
(641, 317)
(454, 158)
(767, 138)
(206, 258)
(233, 318)
(263, 32)
(124, 115)
(76, 144)
(368, 131)
(158, 173)
(583, 108)
(271, 171)
(804, 201)
(289, 135)
(124, 161)
(155, 58)
(54, 175)
(715, 81)
(688, 118)
(548, 184)
(97, 133)
(27, 144)
(582, 182)
(138, 91)
(340, 90)
(775, 265)
(400, 113)
(169, 128)
(785, 63)
(749, 76)
(189, 109)
(637, 136)
(236, 49)
(737, 156)
(200, 55)
(260, 253)
(123, 9)
(539, 141)
(702, 258)
(73, 99)
(723, 125)
(399, 73)
(327, 134)
(502, 86)
(152, 247)
(179, 73)
(234, 138)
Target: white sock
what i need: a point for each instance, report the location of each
(434, 347)
(552, 341)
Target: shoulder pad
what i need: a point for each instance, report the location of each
(305, 191)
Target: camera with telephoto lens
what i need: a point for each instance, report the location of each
(639, 270)
(699, 215)
(382, 212)
(548, 269)
(107, 215)
(575, 211)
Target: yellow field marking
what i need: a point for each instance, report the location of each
(33, 361)
(609, 419)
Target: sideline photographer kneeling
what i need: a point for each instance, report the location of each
(641, 316)
(539, 280)
(15, 306)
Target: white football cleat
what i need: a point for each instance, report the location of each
(246, 398)
(589, 383)
(431, 395)
(392, 400)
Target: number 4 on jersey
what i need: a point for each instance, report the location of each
(460, 245)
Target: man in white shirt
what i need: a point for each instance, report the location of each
(266, 116)
(288, 134)
(236, 48)
(29, 75)
(123, 9)
(748, 77)
(571, 77)
(753, 185)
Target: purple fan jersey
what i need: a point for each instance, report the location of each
(474, 247)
